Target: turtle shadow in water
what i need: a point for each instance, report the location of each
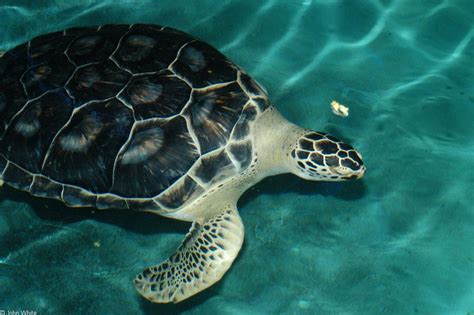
(149, 223)
(153, 308)
(133, 221)
(347, 190)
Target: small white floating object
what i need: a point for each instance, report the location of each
(339, 109)
(1, 183)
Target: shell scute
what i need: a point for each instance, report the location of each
(212, 168)
(32, 131)
(12, 99)
(97, 82)
(17, 177)
(203, 65)
(172, 156)
(47, 47)
(186, 189)
(83, 153)
(110, 201)
(77, 197)
(44, 187)
(141, 204)
(147, 49)
(242, 152)
(214, 113)
(50, 75)
(242, 127)
(94, 45)
(156, 95)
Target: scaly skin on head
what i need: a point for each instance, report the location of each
(320, 156)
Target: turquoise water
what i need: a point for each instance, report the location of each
(398, 242)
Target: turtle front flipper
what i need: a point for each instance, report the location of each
(206, 253)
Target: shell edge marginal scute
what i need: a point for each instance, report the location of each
(65, 188)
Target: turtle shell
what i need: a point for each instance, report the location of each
(125, 116)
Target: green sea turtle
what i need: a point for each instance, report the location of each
(148, 118)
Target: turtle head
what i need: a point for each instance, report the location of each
(321, 157)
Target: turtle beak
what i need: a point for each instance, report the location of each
(357, 174)
(361, 172)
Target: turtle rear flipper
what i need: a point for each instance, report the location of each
(206, 253)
